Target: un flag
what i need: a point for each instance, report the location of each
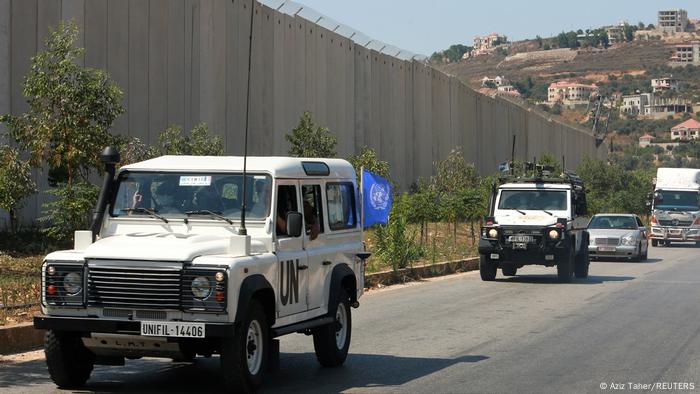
(377, 198)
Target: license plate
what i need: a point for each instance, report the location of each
(606, 249)
(519, 245)
(520, 238)
(172, 329)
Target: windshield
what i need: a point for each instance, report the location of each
(550, 200)
(613, 222)
(676, 200)
(186, 194)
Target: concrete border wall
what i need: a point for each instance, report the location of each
(185, 61)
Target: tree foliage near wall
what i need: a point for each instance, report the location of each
(368, 159)
(308, 140)
(71, 108)
(15, 182)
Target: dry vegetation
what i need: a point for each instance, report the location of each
(20, 282)
(441, 245)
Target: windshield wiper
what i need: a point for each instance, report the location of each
(547, 212)
(522, 212)
(149, 211)
(210, 213)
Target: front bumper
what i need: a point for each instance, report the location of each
(675, 233)
(612, 251)
(547, 254)
(87, 325)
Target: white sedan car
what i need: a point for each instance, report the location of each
(617, 236)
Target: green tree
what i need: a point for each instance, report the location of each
(15, 181)
(171, 141)
(548, 159)
(367, 159)
(71, 108)
(307, 140)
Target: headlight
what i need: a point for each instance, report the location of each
(73, 283)
(201, 288)
(492, 233)
(628, 240)
(553, 234)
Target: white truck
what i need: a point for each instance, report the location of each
(536, 220)
(675, 210)
(164, 272)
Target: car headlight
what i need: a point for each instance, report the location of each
(201, 288)
(628, 240)
(73, 283)
(492, 233)
(553, 234)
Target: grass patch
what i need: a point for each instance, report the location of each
(20, 283)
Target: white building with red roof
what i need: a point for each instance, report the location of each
(688, 130)
(645, 140)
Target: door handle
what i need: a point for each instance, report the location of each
(327, 263)
(302, 267)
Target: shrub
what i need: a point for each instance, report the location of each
(15, 182)
(396, 243)
(307, 140)
(69, 211)
(197, 143)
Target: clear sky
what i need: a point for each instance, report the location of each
(426, 26)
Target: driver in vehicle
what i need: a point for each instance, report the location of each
(164, 197)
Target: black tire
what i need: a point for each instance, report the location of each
(565, 266)
(487, 268)
(583, 262)
(70, 363)
(645, 256)
(654, 243)
(332, 341)
(509, 270)
(238, 376)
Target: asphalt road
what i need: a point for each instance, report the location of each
(628, 323)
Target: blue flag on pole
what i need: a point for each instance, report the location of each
(377, 198)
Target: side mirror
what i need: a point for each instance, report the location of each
(294, 224)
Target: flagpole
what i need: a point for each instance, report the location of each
(362, 203)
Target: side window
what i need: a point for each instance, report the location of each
(639, 222)
(286, 202)
(341, 206)
(313, 210)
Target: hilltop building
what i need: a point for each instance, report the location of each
(664, 84)
(673, 21)
(616, 34)
(688, 130)
(486, 44)
(570, 94)
(687, 53)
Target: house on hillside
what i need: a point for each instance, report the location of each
(687, 53)
(688, 130)
(650, 105)
(508, 90)
(497, 81)
(570, 94)
(484, 45)
(672, 21)
(664, 84)
(645, 140)
(616, 34)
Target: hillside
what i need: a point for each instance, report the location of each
(619, 59)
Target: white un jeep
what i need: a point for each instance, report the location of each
(166, 273)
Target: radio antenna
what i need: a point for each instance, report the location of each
(242, 230)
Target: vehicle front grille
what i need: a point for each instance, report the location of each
(607, 241)
(675, 223)
(131, 287)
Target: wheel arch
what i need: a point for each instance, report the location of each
(342, 277)
(256, 287)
